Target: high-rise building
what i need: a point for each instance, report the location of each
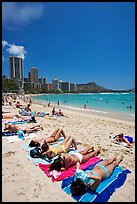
(42, 80)
(73, 87)
(65, 86)
(34, 75)
(55, 84)
(16, 68)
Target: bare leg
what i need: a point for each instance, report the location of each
(85, 151)
(69, 142)
(89, 155)
(115, 163)
(63, 133)
(107, 161)
(37, 127)
(66, 140)
(34, 128)
(54, 133)
(59, 134)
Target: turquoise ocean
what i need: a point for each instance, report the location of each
(120, 104)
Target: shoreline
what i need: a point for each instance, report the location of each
(110, 115)
(23, 181)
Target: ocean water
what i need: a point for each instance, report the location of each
(105, 103)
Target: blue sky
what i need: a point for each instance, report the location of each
(78, 42)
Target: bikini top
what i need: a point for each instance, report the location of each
(83, 176)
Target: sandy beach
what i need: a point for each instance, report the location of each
(23, 181)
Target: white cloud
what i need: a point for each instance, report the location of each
(20, 13)
(4, 43)
(3, 58)
(15, 50)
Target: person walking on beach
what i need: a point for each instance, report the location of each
(92, 178)
(67, 160)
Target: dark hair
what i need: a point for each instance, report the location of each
(78, 187)
(45, 147)
(56, 165)
(34, 144)
(36, 152)
(32, 119)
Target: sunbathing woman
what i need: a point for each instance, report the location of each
(50, 151)
(51, 139)
(122, 138)
(15, 128)
(67, 160)
(16, 116)
(92, 178)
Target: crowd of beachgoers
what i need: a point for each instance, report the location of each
(41, 127)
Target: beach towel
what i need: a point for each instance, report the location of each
(64, 174)
(103, 191)
(12, 121)
(16, 138)
(9, 133)
(43, 159)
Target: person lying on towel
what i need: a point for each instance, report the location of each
(90, 179)
(121, 138)
(51, 139)
(63, 147)
(16, 128)
(64, 161)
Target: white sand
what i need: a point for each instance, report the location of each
(23, 181)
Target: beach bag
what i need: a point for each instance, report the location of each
(36, 152)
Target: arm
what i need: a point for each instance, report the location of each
(78, 165)
(126, 141)
(94, 185)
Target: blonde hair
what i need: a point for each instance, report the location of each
(121, 135)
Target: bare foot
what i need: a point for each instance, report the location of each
(121, 158)
(98, 151)
(41, 127)
(91, 148)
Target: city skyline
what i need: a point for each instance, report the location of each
(77, 42)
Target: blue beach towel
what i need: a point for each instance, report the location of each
(17, 122)
(9, 133)
(103, 191)
(129, 138)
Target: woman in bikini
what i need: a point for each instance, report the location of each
(67, 160)
(122, 138)
(15, 128)
(14, 116)
(51, 139)
(92, 178)
(63, 147)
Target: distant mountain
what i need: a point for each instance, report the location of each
(92, 87)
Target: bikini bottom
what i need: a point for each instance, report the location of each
(104, 168)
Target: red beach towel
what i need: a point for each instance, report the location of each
(67, 173)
